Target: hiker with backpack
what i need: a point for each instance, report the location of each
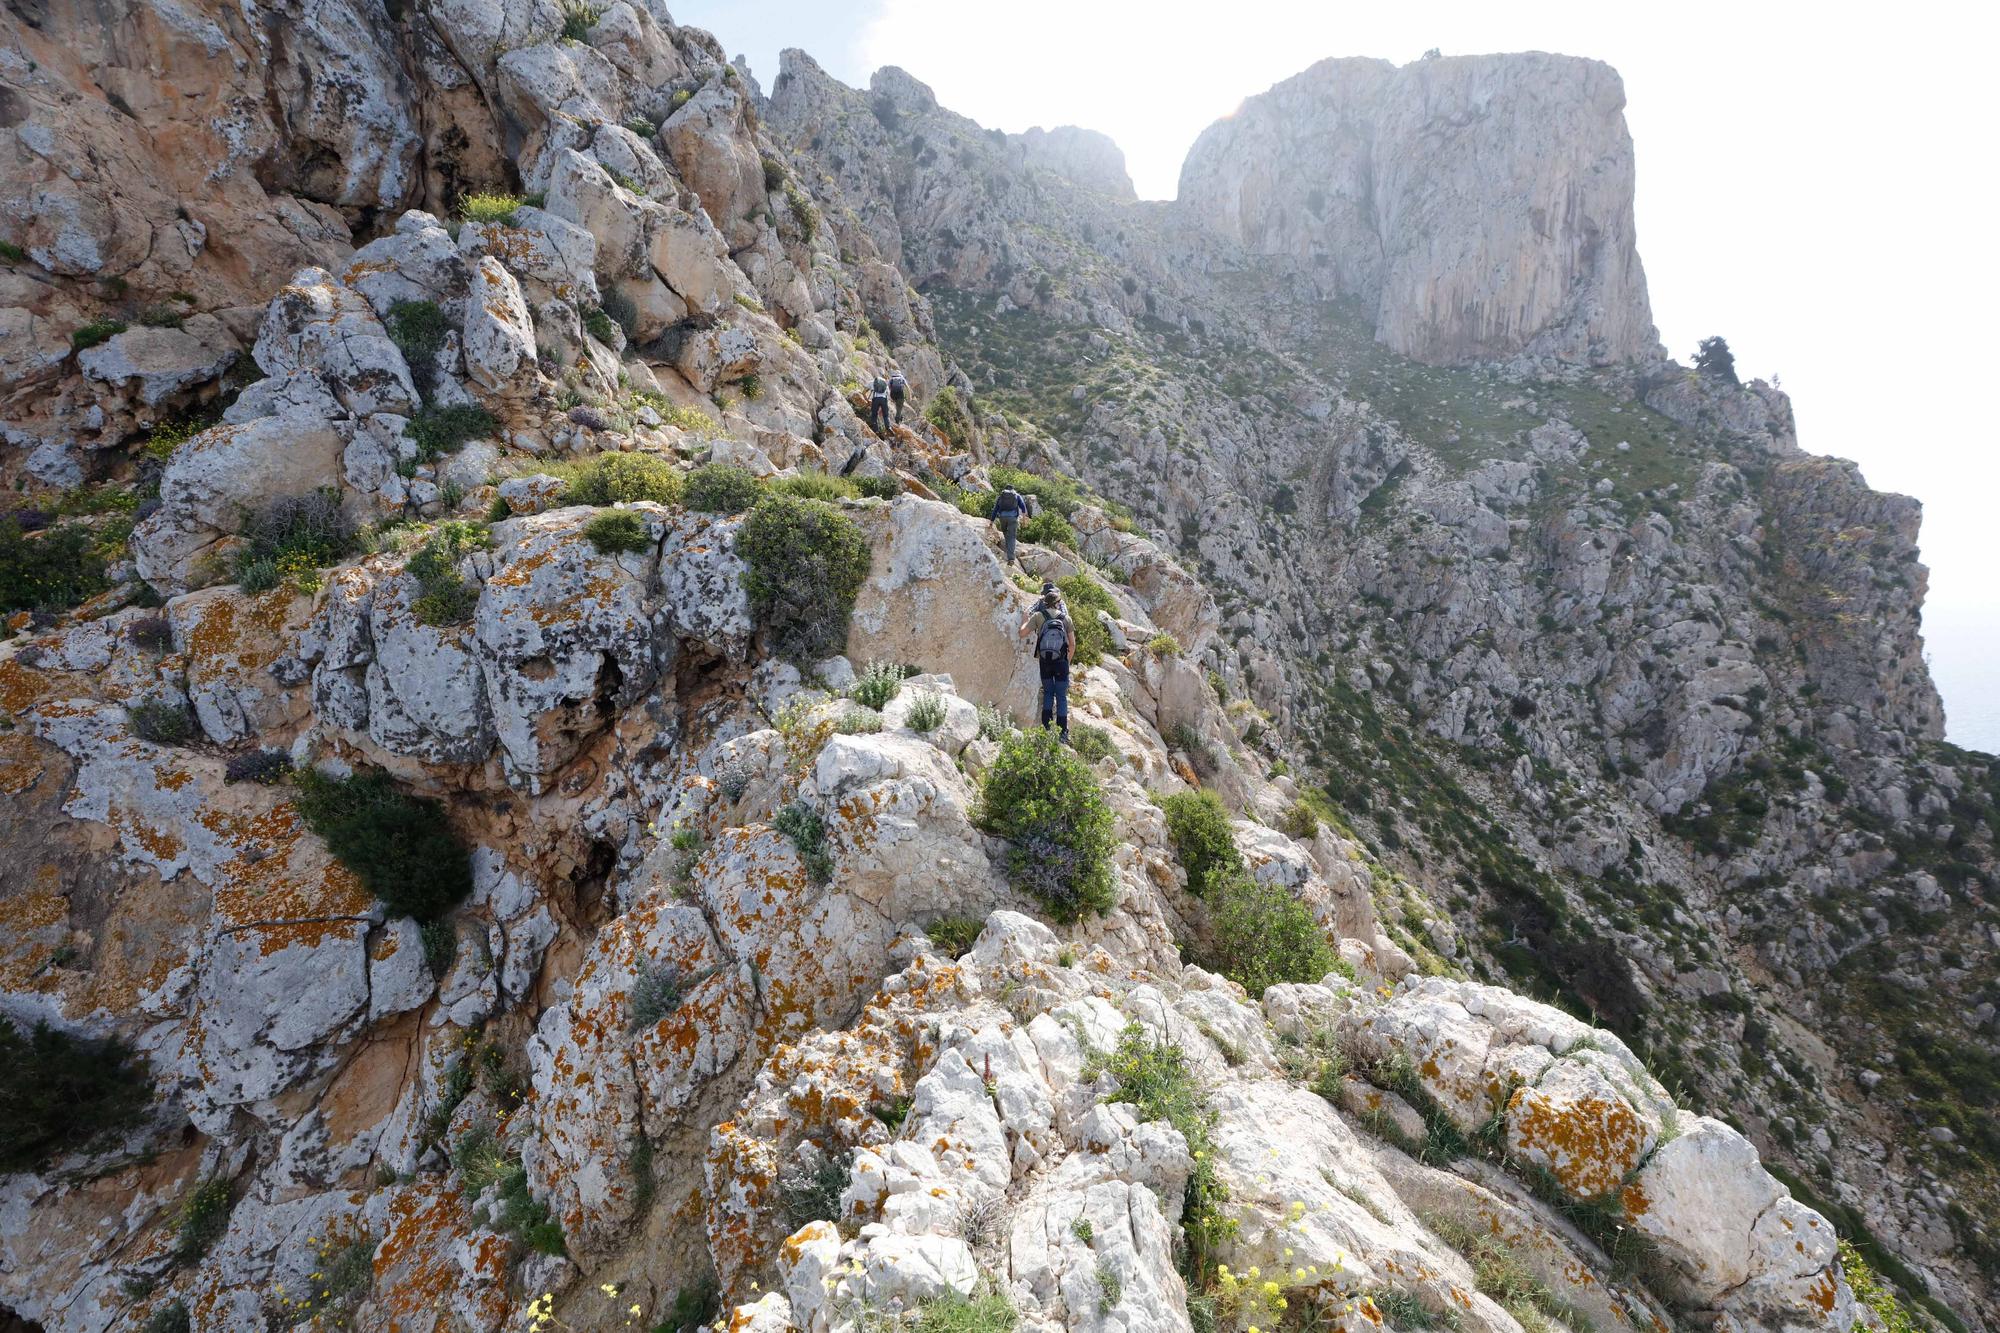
(899, 389)
(878, 406)
(1009, 508)
(1055, 645)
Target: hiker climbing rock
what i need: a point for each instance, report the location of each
(899, 389)
(878, 406)
(1055, 645)
(1008, 509)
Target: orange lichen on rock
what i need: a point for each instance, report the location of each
(1589, 1144)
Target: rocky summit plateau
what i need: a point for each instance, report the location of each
(521, 810)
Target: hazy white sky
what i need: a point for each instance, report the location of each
(1815, 183)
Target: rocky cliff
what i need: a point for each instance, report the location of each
(515, 811)
(1479, 206)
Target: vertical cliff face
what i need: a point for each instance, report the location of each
(1481, 206)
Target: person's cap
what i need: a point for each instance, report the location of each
(1047, 586)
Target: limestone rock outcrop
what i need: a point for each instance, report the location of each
(1479, 207)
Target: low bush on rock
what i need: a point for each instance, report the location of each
(161, 722)
(954, 934)
(290, 538)
(95, 332)
(437, 431)
(1091, 743)
(878, 683)
(63, 1094)
(1157, 1081)
(49, 570)
(444, 596)
(658, 991)
(204, 1218)
(1203, 837)
(926, 712)
(722, 488)
(617, 533)
(802, 824)
(811, 1185)
(807, 564)
(419, 328)
(610, 479)
(1046, 803)
(172, 1317)
(1260, 935)
(398, 845)
(878, 488)
(987, 1312)
(490, 207)
(1046, 529)
(948, 414)
(814, 486)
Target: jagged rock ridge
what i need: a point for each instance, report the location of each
(664, 1002)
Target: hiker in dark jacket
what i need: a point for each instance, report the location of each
(878, 406)
(899, 389)
(1055, 644)
(1009, 508)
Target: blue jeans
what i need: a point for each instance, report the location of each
(1055, 701)
(878, 416)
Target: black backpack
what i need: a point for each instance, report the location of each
(1009, 504)
(881, 387)
(1052, 644)
(897, 384)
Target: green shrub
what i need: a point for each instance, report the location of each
(814, 486)
(437, 431)
(161, 722)
(803, 212)
(204, 1217)
(807, 564)
(1091, 743)
(878, 683)
(954, 934)
(169, 1318)
(1164, 645)
(774, 174)
(722, 488)
(399, 846)
(1261, 935)
(658, 990)
(51, 570)
(948, 414)
(993, 724)
(1048, 529)
(293, 533)
(525, 1217)
(490, 207)
(926, 712)
(1046, 803)
(1059, 494)
(1155, 1079)
(695, 1305)
(64, 1094)
(1204, 839)
(162, 317)
(989, 1312)
(1085, 597)
(95, 332)
(597, 322)
(418, 329)
(444, 596)
(878, 488)
(976, 504)
(810, 1186)
(610, 479)
(802, 824)
(11, 252)
(440, 941)
(617, 533)
(620, 308)
(1299, 821)
(859, 722)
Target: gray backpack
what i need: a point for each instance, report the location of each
(1052, 644)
